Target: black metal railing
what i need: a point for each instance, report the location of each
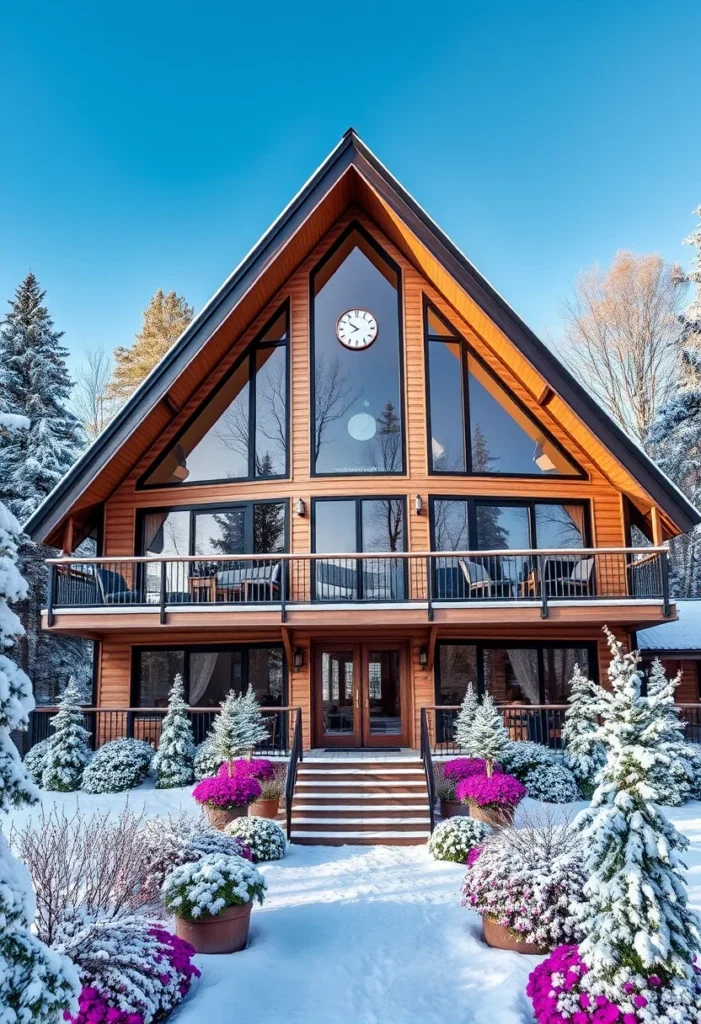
(426, 757)
(296, 755)
(540, 723)
(105, 724)
(432, 579)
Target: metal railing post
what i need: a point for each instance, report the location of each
(429, 588)
(50, 617)
(428, 768)
(162, 595)
(543, 588)
(283, 590)
(664, 565)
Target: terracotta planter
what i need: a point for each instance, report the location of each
(452, 808)
(220, 817)
(225, 933)
(503, 815)
(264, 808)
(498, 937)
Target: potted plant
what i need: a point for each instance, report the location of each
(272, 782)
(226, 797)
(454, 838)
(448, 774)
(264, 838)
(492, 799)
(523, 882)
(212, 901)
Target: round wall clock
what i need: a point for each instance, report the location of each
(356, 328)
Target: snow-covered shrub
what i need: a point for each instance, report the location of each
(210, 885)
(68, 751)
(207, 761)
(674, 780)
(495, 792)
(526, 879)
(184, 839)
(35, 760)
(93, 863)
(465, 720)
(523, 756)
(584, 754)
(454, 838)
(173, 762)
(263, 837)
(119, 765)
(692, 757)
(488, 735)
(553, 785)
(132, 966)
(227, 791)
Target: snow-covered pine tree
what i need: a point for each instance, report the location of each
(253, 729)
(174, 760)
(674, 783)
(489, 737)
(634, 917)
(584, 754)
(36, 983)
(465, 721)
(68, 751)
(228, 736)
(34, 382)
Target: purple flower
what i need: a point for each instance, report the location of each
(654, 980)
(463, 767)
(640, 1000)
(258, 768)
(224, 791)
(497, 791)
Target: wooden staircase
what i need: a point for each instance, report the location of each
(339, 802)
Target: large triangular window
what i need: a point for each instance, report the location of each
(240, 432)
(475, 424)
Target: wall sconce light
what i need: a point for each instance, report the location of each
(419, 505)
(423, 657)
(301, 508)
(298, 658)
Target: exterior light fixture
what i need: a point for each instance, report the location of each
(298, 658)
(419, 505)
(301, 508)
(423, 657)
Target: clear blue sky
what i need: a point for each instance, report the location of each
(149, 144)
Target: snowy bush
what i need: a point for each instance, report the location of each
(173, 762)
(263, 837)
(553, 785)
(132, 966)
(526, 879)
(119, 765)
(210, 885)
(207, 761)
(692, 757)
(523, 756)
(35, 760)
(68, 751)
(465, 720)
(454, 838)
(584, 754)
(96, 864)
(185, 839)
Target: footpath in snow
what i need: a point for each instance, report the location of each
(361, 935)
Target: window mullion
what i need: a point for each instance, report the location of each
(467, 429)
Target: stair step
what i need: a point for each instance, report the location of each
(352, 808)
(422, 820)
(359, 825)
(326, 782)
(392, 773)
(389, 793)
(351, 834)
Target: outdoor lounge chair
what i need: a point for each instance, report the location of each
(113, 588)
(578, 582)
(249, 582)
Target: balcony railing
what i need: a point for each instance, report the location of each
(427, 579)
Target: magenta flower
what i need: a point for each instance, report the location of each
(228, 792)
(258, 768)
(463, 767)
(654, 980)
(497, 791)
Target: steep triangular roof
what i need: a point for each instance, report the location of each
(241, 293)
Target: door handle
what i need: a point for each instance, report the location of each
(366, 703)
(357, 700)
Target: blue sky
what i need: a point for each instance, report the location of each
(148, 145)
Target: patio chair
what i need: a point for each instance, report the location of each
(480, 583)
(249, 582)
(578, 582)
(113, 588)
(335, 582)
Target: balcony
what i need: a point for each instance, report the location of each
(413, 588)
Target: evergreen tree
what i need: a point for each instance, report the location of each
(34, 382)
(675, 784)
(584, 754)
(229, 734)
(634, 917)
(464, 723)
(165, 320)
(489, 736)
(68, 751)
(690, 319)
(36, 984)
(253, 728)
(175, 757)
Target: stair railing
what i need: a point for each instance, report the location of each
(296, 755)
(428, 767)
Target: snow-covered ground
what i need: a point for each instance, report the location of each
(361, 935)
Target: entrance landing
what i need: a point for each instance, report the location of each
(361, 754)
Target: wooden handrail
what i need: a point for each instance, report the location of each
(515, 707)
(90, 710)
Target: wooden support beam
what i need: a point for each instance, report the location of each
(656, 524)
(289, 650)
(170, 404)
(431, 648)
(67, 542)
(545, 395)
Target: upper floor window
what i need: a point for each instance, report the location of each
(475, 425)
(240, 432)
(357, 408)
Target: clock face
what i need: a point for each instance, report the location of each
(356, 328)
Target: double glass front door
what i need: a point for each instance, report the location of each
(358, 695)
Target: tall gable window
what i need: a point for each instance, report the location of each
(475, 425)
(240, 432)
(357, 417)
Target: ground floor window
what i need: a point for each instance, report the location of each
(209, 673)
(514, 673)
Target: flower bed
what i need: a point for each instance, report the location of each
(464, 767)
(257, 767)
(454, 838)
(526, 880)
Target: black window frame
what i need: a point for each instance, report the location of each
(540, 646)
(189, 649)
(472, 501)
(465, 350)
(357, 501)
(248, 355)
(194, 510)
(356, 226)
